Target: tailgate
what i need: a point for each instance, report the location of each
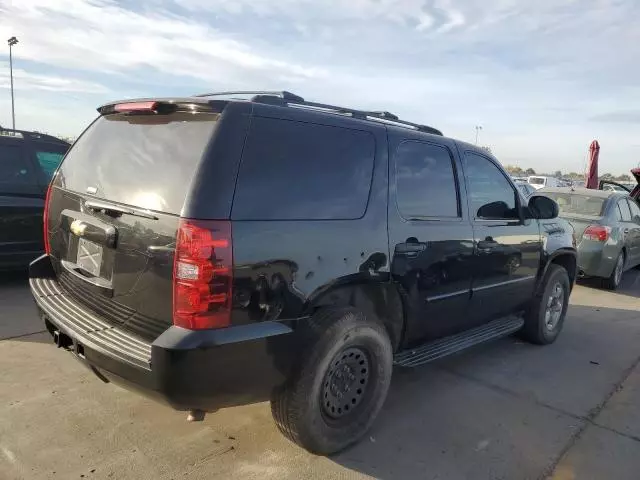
(114, 210)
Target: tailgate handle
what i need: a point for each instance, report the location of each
(108, 207)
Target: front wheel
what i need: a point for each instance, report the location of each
(545, 318)
(340, 385)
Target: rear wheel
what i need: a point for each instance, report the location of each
(338, 389)
(613, 282)
(545, 318)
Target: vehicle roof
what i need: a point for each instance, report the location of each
(583, 191)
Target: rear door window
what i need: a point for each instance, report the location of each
(49, 156)
(301, 171)
(16, 172)
(624, 209)
(425, 181)
(635, 210)
(143, 161)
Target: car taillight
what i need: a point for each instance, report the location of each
(597, 233)
(203, 274)
(45, 221)
(150, 107)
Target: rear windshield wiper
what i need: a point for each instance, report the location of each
(107, 207)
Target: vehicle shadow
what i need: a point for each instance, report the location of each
(13, 277)
(496, 411)
(629, 285)
(19, 320)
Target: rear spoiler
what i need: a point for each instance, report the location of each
(162, 106)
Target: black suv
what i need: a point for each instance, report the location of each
(219, 250)
(27, 162)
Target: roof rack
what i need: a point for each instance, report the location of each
(9, 132)
(284, 98)
(284, 95)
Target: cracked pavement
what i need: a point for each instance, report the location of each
(505, 410)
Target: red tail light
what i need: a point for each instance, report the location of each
(597, 233)
(136, 107)
(203, 274)
(45, 221)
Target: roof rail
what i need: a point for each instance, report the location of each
(284, 98)
(284, 95)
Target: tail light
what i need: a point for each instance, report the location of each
(597, 233)
(45, 221)
(203, 274)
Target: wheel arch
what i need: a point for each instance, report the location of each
(566, 258)
(380, 300)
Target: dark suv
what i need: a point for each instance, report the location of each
(219, 250)
(27, 162)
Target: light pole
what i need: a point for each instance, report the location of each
(12, 41)
(478, 128)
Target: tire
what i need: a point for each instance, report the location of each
(613, 281)
(306, 408)
(540, 326)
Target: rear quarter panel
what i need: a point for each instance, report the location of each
(281, 267)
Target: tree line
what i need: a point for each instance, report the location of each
(518, 171)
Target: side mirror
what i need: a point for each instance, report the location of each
(543, 208)
(636, 219)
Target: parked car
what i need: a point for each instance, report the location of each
(607, 226)
(216, 251)
(614, 188)
(541, 181)
(27, 162)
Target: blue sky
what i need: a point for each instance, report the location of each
(543, 78)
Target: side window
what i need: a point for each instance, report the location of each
(618, 212)
(491, 196)
(425, 181)
(14, 167)
(624, 209)
(49, 157)
(301, 171)
(635, 209)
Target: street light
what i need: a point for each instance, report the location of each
(478, 128)
(12, 41)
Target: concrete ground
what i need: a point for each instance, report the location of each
(507, 410)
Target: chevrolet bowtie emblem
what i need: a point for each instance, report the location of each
(78, 227)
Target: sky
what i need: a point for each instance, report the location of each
(542, 79)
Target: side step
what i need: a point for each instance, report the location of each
(458, 342)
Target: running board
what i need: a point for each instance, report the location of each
(455, 343)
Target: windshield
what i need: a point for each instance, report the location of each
(143, 161)
(537, 180)
(574, 203)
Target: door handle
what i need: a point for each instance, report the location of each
(410, 248)
(487, 245)
(626, 230)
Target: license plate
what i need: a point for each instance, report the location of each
(89, 257)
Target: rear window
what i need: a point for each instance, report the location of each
(143, 161)
(537, 180)
(578, 204)
(301, 171)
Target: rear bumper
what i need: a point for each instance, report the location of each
(596, 259)
(187, 369)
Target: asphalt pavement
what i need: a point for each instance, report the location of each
(505, 410)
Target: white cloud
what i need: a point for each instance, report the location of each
(102, 36)
(24, 80)
(539, 76)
